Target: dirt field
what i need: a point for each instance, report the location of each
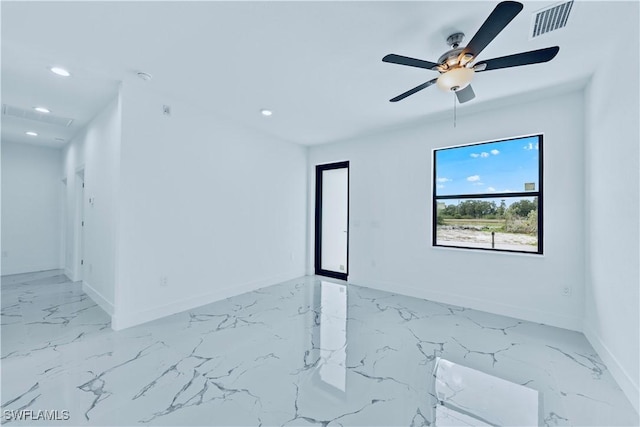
(458, 236)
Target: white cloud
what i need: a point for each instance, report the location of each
(478, 183)
(443, 180)
(473, 178)
(491, 189)
(484, 154)
(530, 146)
(439, 186)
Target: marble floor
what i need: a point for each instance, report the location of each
(304, 352)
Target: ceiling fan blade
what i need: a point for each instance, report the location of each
(497, 20)
(411, 62)
(412, 91)
(518, 59)
(466, 94)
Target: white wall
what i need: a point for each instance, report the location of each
(390, 215)
(216, 209)
(32, 191)
(612, 202)
(96, 151)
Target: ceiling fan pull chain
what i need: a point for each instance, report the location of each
(454, 109)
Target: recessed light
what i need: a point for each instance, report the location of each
(266, 112)
(31, 133)
(60, 71)
(41, 110)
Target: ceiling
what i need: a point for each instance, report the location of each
(317, 65)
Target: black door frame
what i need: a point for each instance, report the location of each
(318, 229)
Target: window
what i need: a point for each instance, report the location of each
(489, 195)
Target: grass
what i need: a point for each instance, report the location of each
(482, 224)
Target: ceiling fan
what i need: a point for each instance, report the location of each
(455, 66)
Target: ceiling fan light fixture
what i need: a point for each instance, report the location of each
(455, 79)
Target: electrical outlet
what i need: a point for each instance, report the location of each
(566, 291)
(164, 281)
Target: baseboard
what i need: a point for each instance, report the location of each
(628, 385)
(98, 298)
(29, 269)
(126, 320)
(551, 319)
(69, 274)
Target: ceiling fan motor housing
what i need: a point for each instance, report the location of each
(450, 58)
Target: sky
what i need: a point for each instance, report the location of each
(487, 168)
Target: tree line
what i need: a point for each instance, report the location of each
(519, 217)
(483, 209)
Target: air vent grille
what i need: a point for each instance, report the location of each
(550, 18)
(27, 114)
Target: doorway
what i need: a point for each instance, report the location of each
(332, 220)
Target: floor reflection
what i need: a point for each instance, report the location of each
(333, 334)
(469, 397)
